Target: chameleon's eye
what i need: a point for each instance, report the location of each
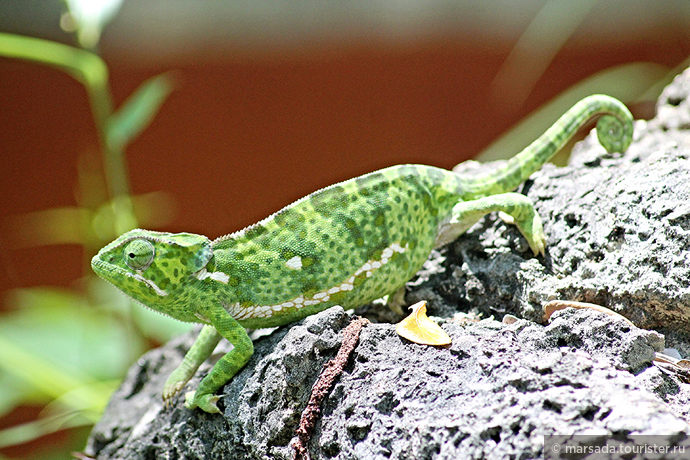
(138, 254)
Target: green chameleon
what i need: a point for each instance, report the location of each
(346, 244)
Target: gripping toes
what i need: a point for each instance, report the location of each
(170, 390)
(205, 402)
(516, 209)
(533, 231)
(513, 208)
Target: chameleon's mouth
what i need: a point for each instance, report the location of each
(111, 273)
(103, 268)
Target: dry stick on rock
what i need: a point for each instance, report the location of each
(331, 370)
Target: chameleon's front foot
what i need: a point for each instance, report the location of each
(205, 402)
(171, 389)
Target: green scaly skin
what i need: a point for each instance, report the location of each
(346, 244)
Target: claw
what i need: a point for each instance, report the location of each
(533, 231)
(170, 391)
(206, 402)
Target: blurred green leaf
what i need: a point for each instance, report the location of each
(626, 82)
(95, 394)
(48, 226)
(73, 225)
(138, 110)
(38, 372)
(26, 432)
(148, 322)
(15, 391)
(655, 90)
(156, 326)
(151, 209)
(86, 67)
(551, 27)
(58, 345)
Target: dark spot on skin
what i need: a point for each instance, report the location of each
(280, 218)
(254, 231)
(307, 262)
(372, 184)
(309, 286)
(329, 199)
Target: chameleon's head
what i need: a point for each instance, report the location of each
(153, 267)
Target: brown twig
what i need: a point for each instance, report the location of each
(331, 370)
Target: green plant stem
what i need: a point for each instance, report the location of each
(91, 71)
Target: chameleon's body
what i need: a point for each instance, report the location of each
(346, 244)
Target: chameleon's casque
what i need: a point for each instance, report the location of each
(346, 244)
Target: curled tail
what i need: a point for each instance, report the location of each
(614, 130)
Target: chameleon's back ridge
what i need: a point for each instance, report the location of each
(346, 244)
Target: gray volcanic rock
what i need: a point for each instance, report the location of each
(618, 234)
(494, 393)
(617, 227)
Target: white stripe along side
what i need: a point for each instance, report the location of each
(265, 311)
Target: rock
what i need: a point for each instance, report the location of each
(493, 393)
(618, 234)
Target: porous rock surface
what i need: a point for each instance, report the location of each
(618, 234)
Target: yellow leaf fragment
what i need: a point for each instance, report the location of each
(419, 328)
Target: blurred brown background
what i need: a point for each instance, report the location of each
(276, 99)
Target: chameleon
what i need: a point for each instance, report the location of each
(346, 244)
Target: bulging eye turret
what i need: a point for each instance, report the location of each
(138, 254)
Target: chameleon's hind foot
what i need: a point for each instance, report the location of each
(531, 228)
(205, 402)
(396, 300)
(514, 208)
